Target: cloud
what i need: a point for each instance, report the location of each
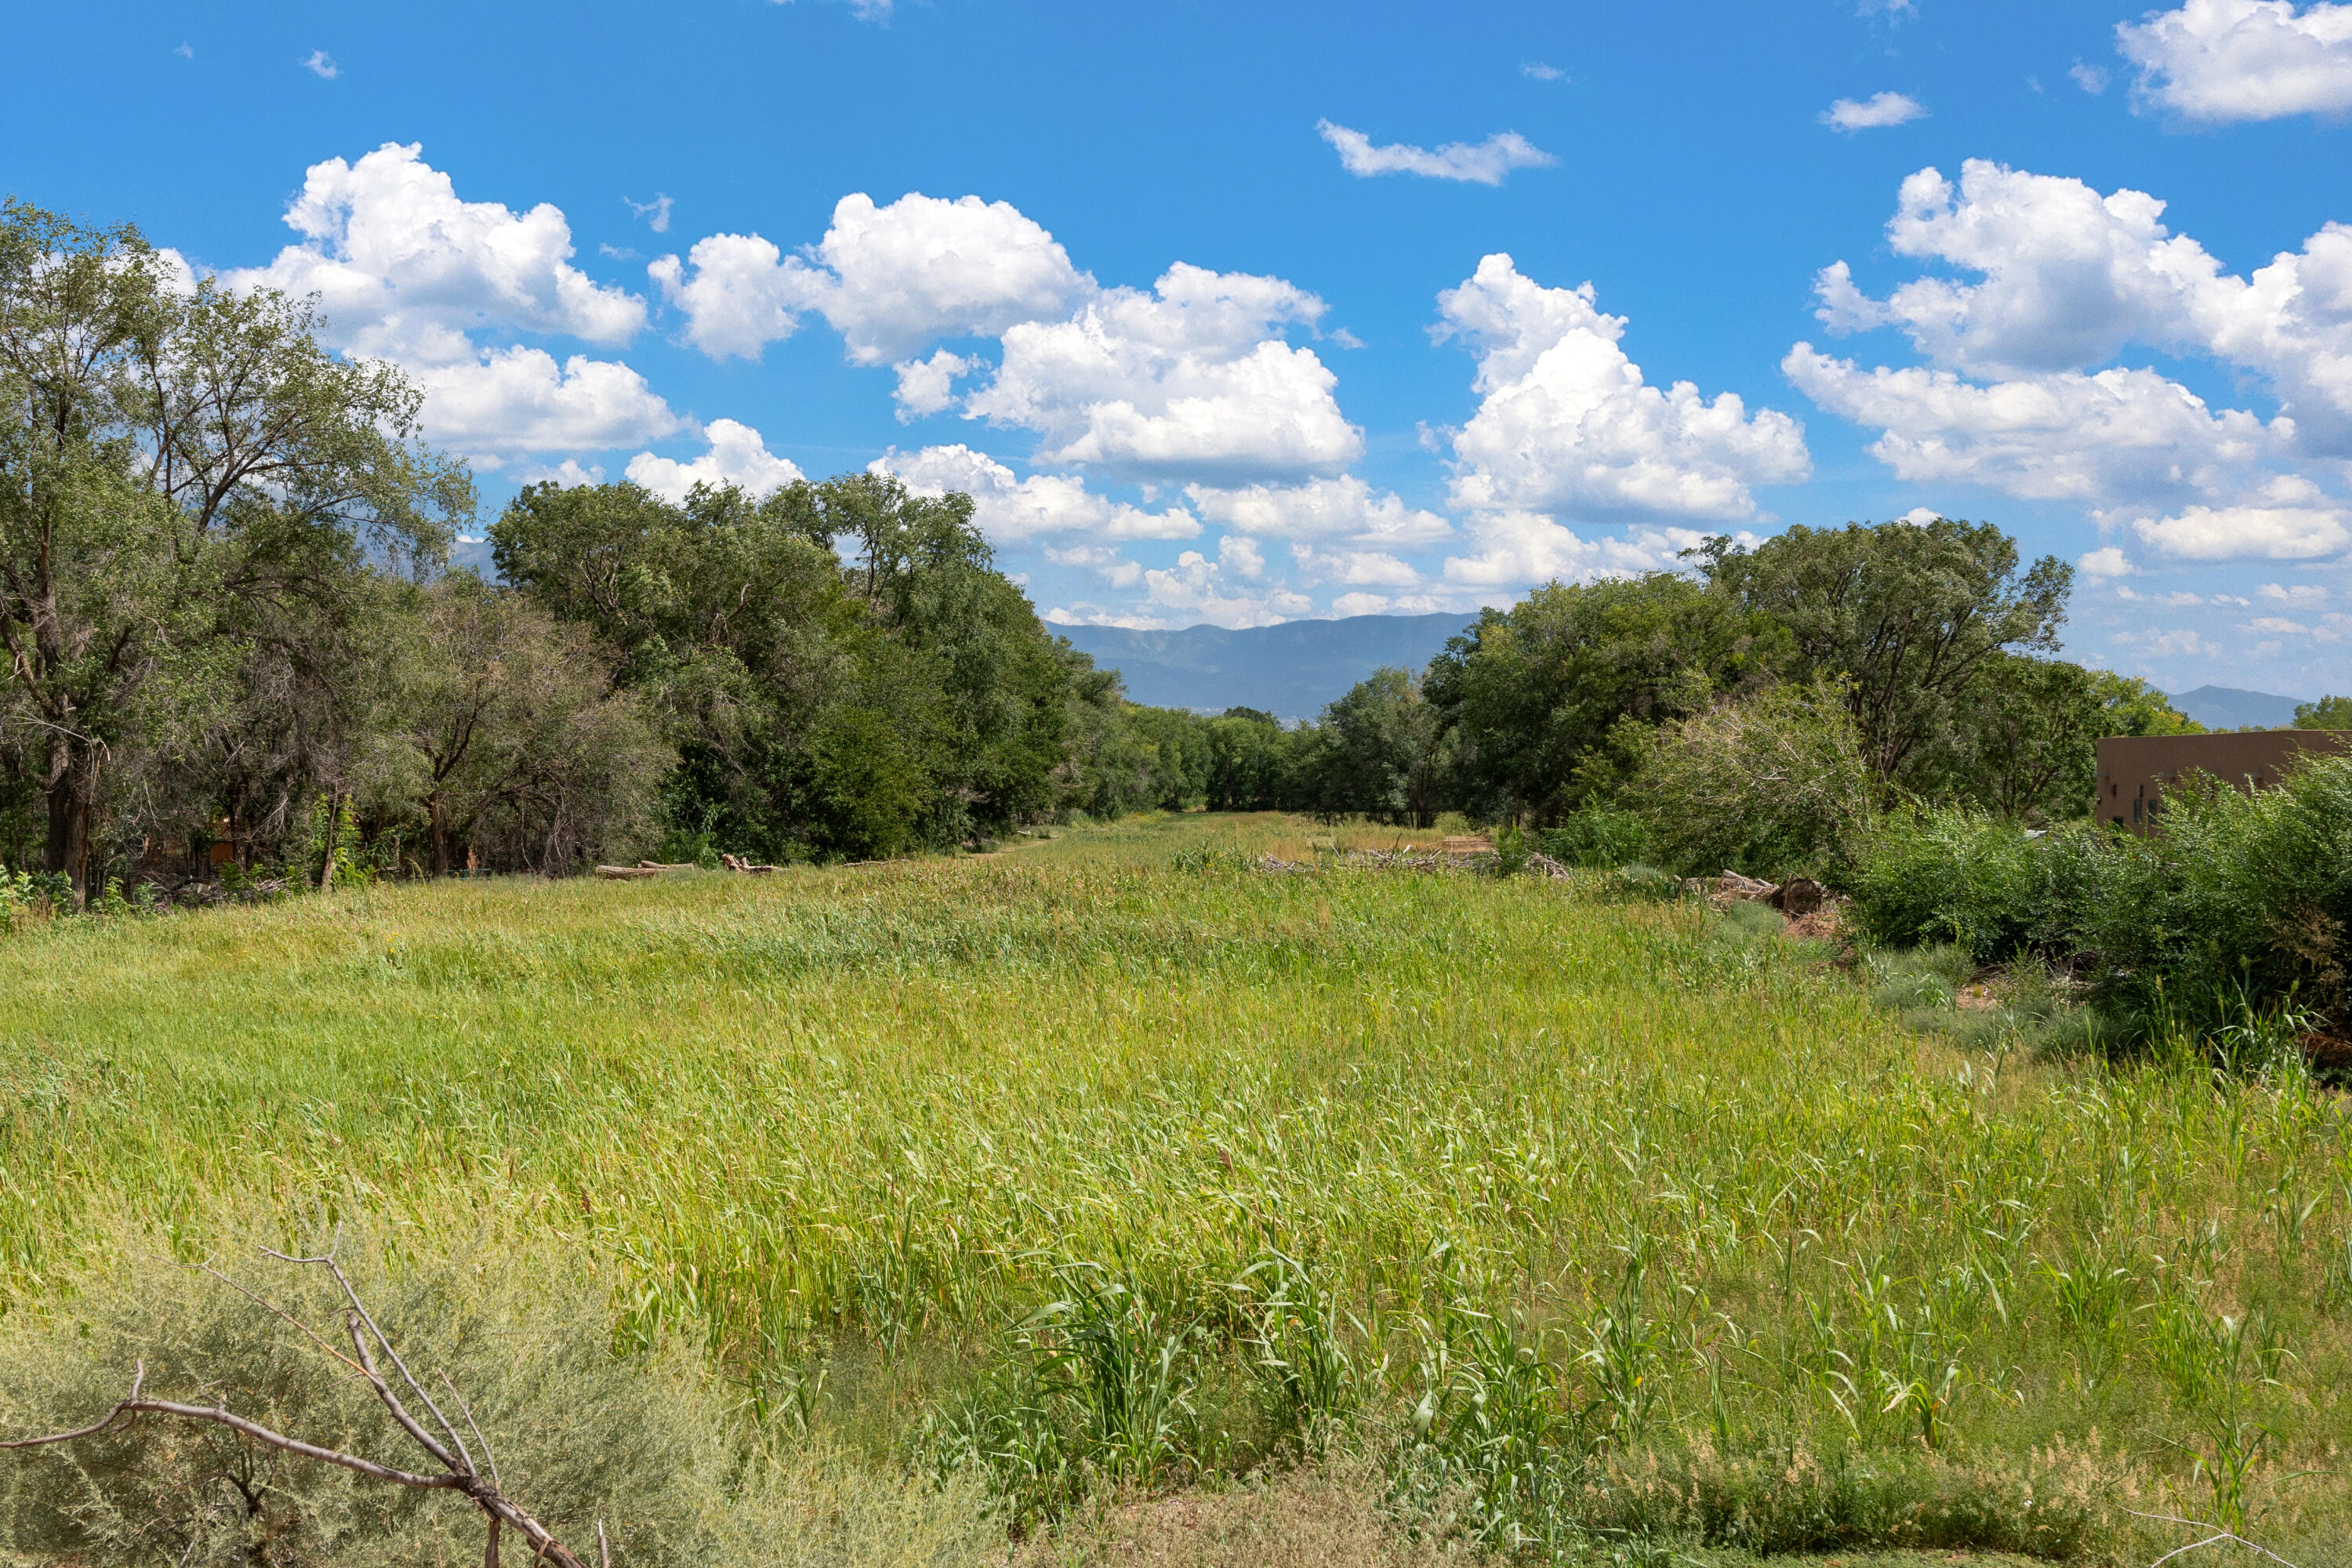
(2278, 626)
(2236, 532)
(1536, 71)
(2300, 593)
(2228, 60)
(1512, 550)
(403, 269)
(320, 65)
(738, 292)
(890, 279)
(2098, 440)
(1568, 424)
(2092, 80)
(1343, 508)
(1486, 162)
(2105, 561)
(518, 399)
(1101, 559)
(1874, 112)
(928, 385)
(569, 474)
(655, 212)
(1353, 568)
(1192, 379)
(185, 51)
(1016, 511)
(1201, 589)
(2055, 279)
(735, 456)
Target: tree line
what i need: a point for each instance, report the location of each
(236, 650)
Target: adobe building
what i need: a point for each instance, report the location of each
(2134, 769)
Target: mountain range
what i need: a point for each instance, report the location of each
(1291, 670)
(1294, 669)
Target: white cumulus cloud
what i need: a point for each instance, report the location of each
(1192, 379)
(1343, 508)
(1875, 112)
(519, 399)
(1486, 162)
(2054, 280)
(2225, 60)
(1199, 589)
(735, 456)
(1566, 423)
(1012, 510)
(405, 269)
(320, 65)
(890, 279)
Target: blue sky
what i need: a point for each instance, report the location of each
(1240, 313)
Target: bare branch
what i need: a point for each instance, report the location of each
(2216, 1539)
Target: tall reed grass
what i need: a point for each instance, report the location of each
(1067, 1167)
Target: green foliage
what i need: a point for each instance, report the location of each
(849, 1121)
(1773, 786)
(1904, 616)
(1534, 695)
(2023, 732)
(1983, 884)
(186, 473)
(2238, 909)
(647, 1443)
(1597, 835)
(905, 700)
(1377, 752)
(2328, 713)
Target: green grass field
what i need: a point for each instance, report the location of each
(1588, 1226)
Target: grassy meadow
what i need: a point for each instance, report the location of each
(1106, 1168)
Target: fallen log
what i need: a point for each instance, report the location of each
(624, 873)
(668, 865)
(738, 864)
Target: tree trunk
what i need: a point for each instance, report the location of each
(335, 821)
(73, 812)
(436, 834)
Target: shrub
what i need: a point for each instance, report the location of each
(646, 1443)
(2241, 907)
(1597, 836)
(1987, 887)
(1771, 785)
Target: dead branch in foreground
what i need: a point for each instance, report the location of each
(458, 1471)
(2220, 1536)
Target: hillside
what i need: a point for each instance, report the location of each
(2226, 708)
(1291, 670)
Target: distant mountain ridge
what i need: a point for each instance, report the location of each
(2226, 708)
(1292, 671)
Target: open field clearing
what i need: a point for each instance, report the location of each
(1579, 1225)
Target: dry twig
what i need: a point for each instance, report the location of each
(458, 1472)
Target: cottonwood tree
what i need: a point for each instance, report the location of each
(1904, 614)
(898, 696)
(1534, 693)
(174, 460)
(497, 726)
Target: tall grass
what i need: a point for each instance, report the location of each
(1072, 1167)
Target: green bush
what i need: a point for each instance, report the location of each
(646, 1443)
(2240, 908)
(1987, 887)
(1773, 786)
(1596, 836)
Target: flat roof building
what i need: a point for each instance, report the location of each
(2134, 769)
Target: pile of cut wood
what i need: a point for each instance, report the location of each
(655, 867)
(1812, 909)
